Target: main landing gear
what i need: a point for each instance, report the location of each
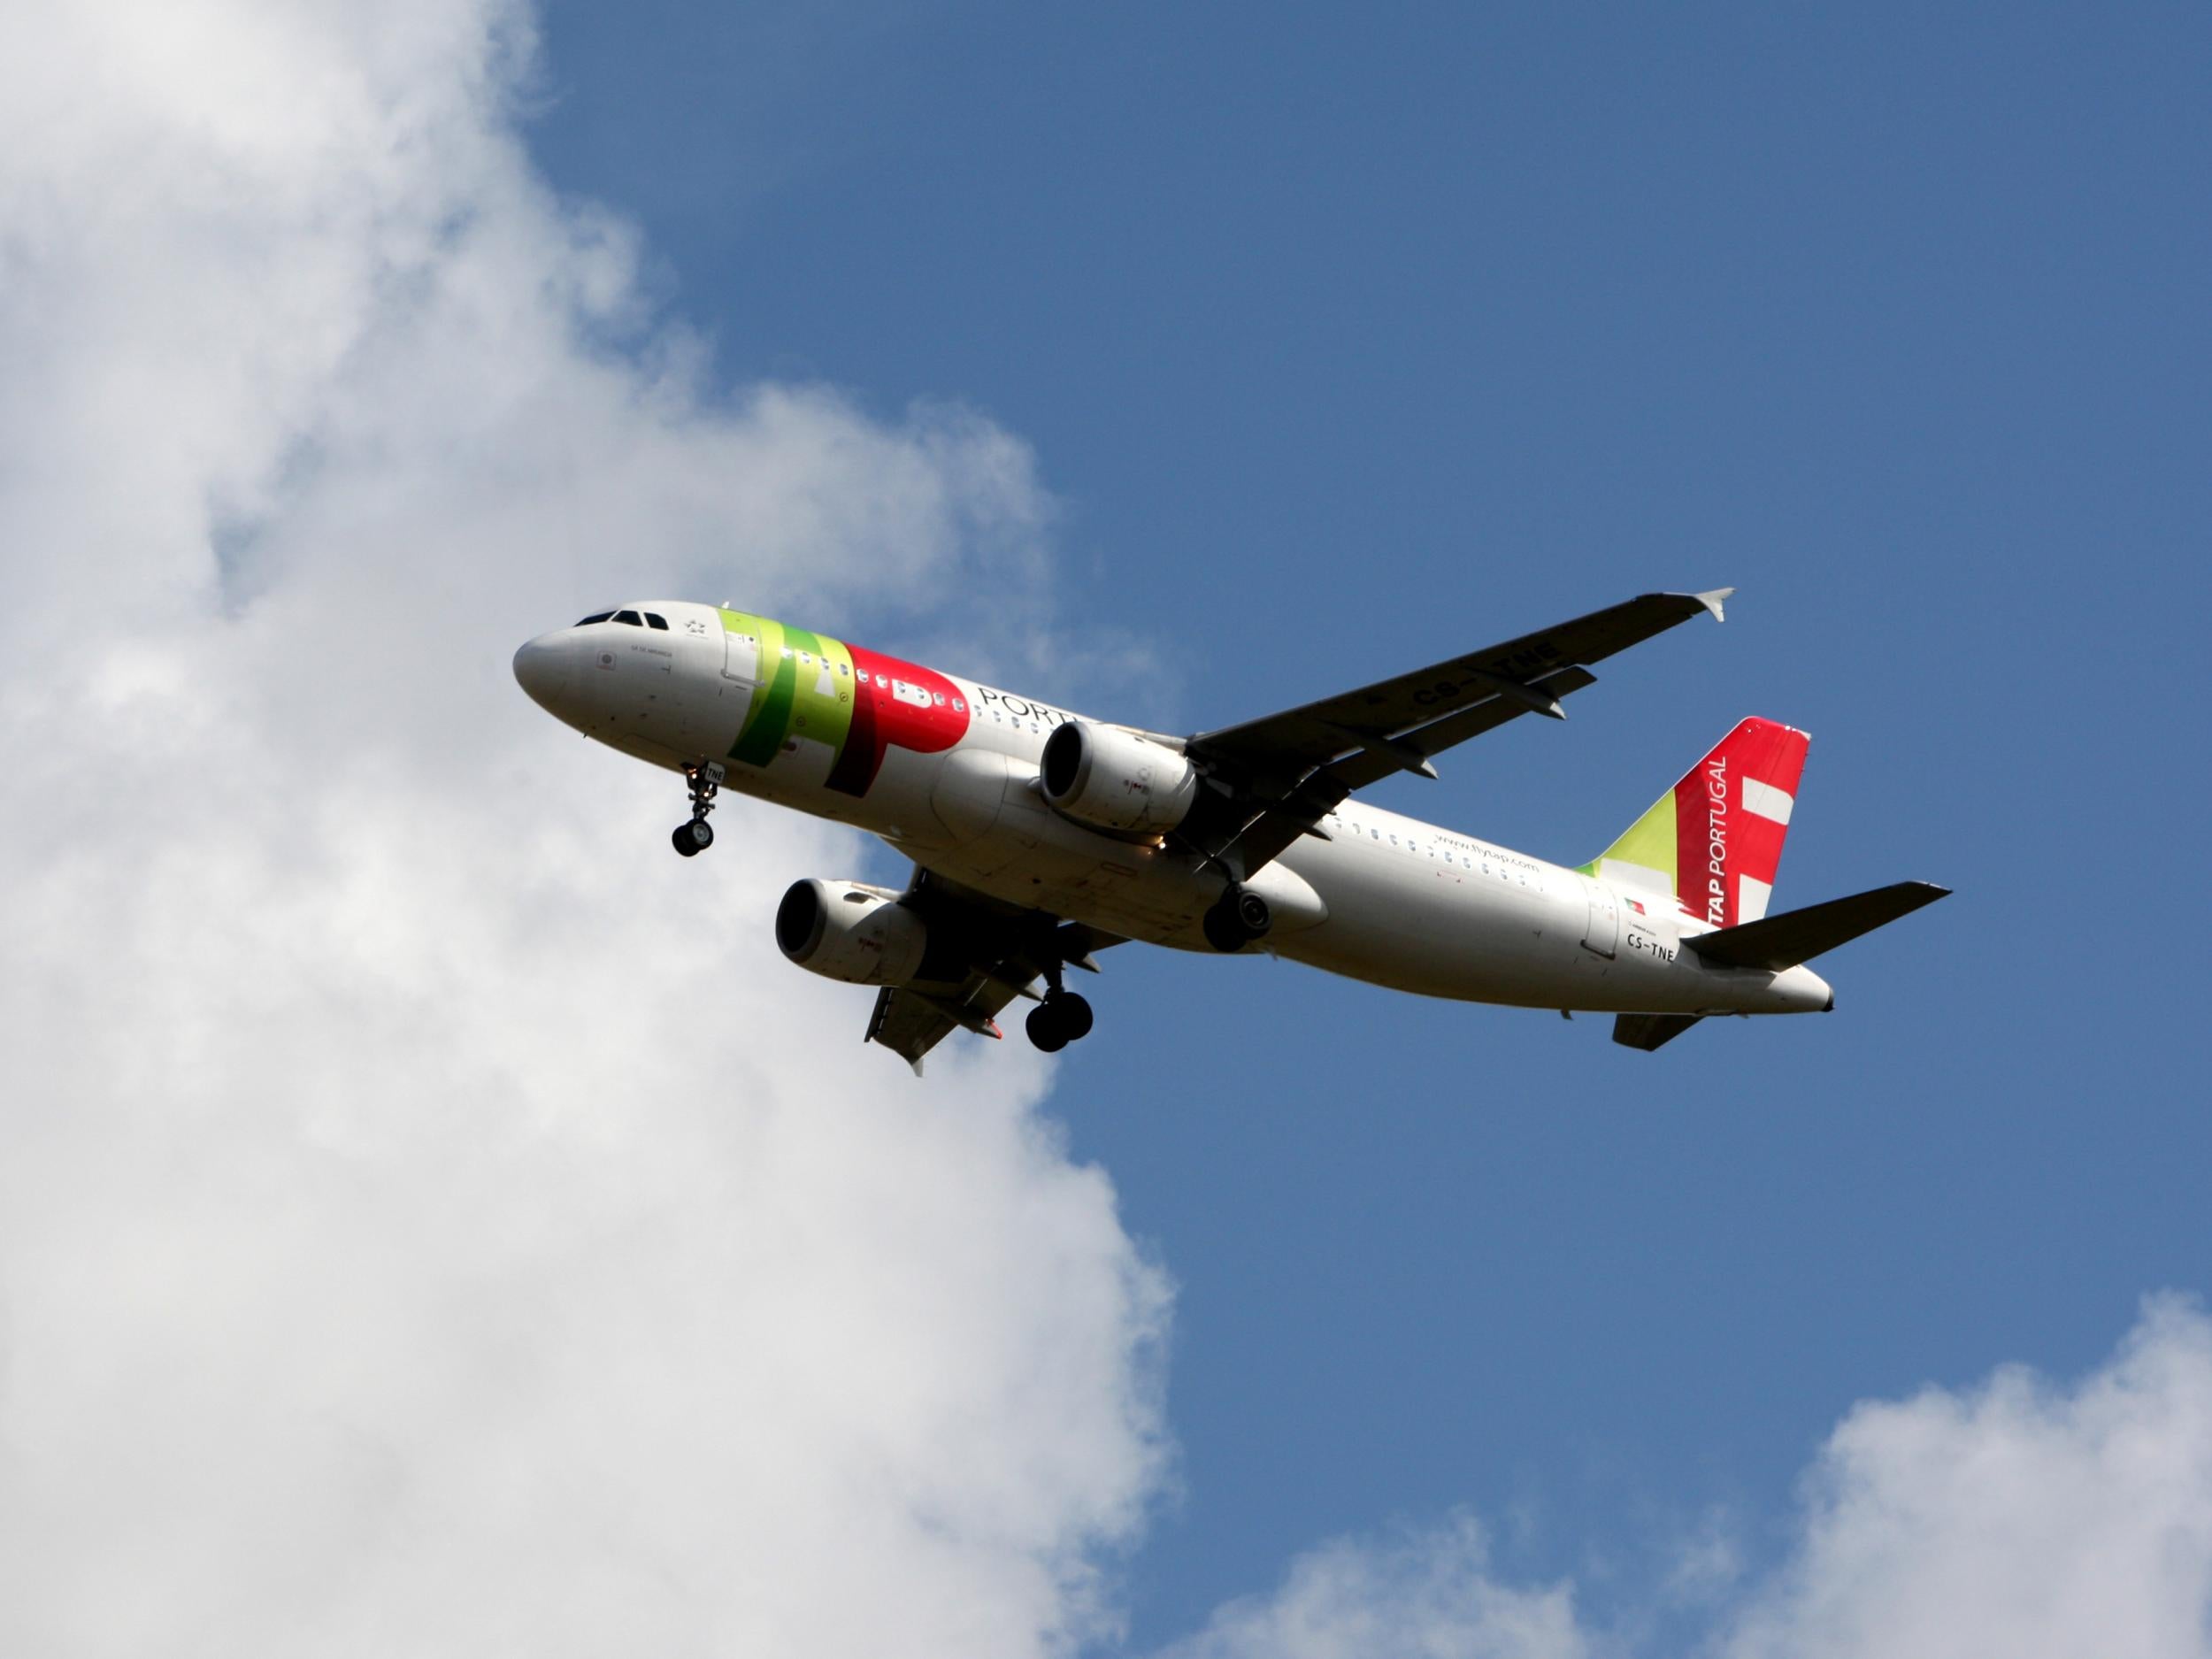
(695, 835)
(1237, 919)
(1063, 1017)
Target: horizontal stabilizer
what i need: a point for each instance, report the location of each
(1794, 936)
(1649, 1030)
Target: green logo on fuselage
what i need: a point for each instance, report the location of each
(804, 688)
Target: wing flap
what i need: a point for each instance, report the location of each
(908, 1025)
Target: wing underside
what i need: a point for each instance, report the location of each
(983, 954)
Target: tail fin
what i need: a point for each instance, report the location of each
(1713, 842)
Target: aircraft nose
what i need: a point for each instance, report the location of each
(542, 668)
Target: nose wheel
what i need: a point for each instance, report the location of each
(696, 834)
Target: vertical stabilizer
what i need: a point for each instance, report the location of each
(1713, 842)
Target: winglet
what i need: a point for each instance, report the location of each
(1711, 600)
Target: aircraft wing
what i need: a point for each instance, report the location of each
(983, 954)
(1275, 779)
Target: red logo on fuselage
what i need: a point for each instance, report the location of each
(895, 704)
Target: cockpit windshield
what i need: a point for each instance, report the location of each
(634, 618)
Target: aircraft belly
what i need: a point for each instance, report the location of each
(1441, 930)
(1400, 923)
(1033, 857)
(1475, 947)
(1389, 919)
(969, 792)
(990, 830)
(1406, 921)
(901, 801)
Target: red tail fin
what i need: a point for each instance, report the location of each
(1714, 841)
(1730, 817)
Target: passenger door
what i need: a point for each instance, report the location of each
(741, 657)
(1602, 934)
(711, 706)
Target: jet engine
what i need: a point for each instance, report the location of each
(844, 930)
(1107, 778)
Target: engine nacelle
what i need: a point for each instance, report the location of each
(844, 930)
(1106, 779)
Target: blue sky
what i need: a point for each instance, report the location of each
(435, 1219)
(1346, 341)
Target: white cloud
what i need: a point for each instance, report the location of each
(1423, 1596)
(2019, 1517)
(432, 1217)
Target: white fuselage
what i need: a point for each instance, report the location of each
(1384, 898)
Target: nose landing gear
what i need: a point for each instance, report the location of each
(695, 835)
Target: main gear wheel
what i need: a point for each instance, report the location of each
(1063, 1017)
(1239, 918)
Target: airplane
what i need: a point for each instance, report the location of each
(1040, 837)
